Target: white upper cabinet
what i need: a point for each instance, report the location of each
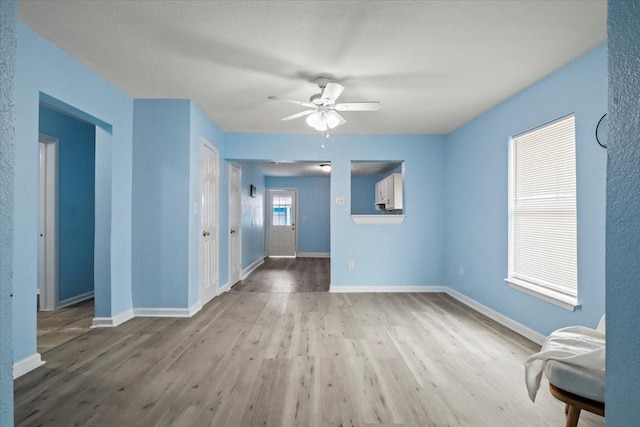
(389, 193)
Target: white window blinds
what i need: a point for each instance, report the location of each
(543, 240)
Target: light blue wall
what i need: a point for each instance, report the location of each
(477, 202)
(43, 70)
(384, 255)
(314, 205)
(168, 138)
(76, 200)
(623, 221)
(202, 127)
(253, 219)
(161, 130)
(363, 194)
(7, 149)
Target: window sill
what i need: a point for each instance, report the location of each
(378, 219)
(552, 297)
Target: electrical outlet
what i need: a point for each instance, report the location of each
(351, 265)
(339, 200)
(461, 270)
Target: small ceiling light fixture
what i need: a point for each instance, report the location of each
(325, 167)
(322, 120)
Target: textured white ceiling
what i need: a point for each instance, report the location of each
(287, 169)
(290, 168)
(434, 65)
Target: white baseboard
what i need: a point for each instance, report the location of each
(75, 300)
(255, 264)
(168, 312)
(208, 299)
(500, 318)
(195, 308)
(387, 289)
(112, 322)
(313, 255)
(27, 364)
(224, 288)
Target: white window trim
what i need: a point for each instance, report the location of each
(561, 300)
(551, 296)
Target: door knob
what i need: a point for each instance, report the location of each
(233, 231)
(205, 233)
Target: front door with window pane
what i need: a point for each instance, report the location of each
(282, 227)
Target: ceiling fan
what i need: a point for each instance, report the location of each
(323, 109)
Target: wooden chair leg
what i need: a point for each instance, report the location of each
(572, 416)
(574, 404)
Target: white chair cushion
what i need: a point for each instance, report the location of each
(583, 382)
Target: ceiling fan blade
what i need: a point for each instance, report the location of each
(358, 106)
(301, 103)
(300, 114)
(331, 92)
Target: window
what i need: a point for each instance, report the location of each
(542, 213)
(282, 206)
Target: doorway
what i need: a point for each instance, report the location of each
(66, 231)
(235, 224)
(210, 272)
(48, 212)
(296, 199)
(282, 223)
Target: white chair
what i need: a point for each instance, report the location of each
(573, 360)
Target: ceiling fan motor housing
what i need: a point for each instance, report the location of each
(322, 82)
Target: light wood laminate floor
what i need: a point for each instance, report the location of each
(286, 359)
(288, 275)
(56, 327)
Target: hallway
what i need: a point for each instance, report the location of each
(288, 275)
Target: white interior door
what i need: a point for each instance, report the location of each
(282, 227)
(48, 223)
(235, 224)
(209, 265)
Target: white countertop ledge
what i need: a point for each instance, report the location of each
(378, 219)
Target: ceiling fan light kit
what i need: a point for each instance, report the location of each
(323, 109)
(321, 120)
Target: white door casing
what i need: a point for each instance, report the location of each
(235, 224)
(210, 234)
(282, 223)
(42, 224)
(48, 222)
